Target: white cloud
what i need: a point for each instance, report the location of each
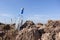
(42, 18)
(5, 15)
(5, 18)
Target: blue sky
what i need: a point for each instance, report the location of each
(36, 10)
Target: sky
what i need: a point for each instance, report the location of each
(35, 10)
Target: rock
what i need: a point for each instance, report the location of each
(39, 25)
(28, 34)
(57, 37)
(32, 31)
(46, 36)
(27, 24)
